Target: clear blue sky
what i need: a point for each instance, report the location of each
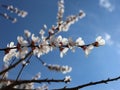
(101, 19)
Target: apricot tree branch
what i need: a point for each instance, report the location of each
(14, 83)
(90, 84)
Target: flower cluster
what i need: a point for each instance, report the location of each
(15, 10)
(99, 42)
(60, 11)
(64, 26)
(40, 45)
(25, 86)
(6, 16)
(12, 9)
(63, 69)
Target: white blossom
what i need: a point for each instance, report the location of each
(67, 79)
(7, 57)
(42, 32)
(14, 20)
(60, 11)
(9, 7)
(27, 33)
(59, 38)
(65, 28)
(21, 41)
(64, 41)
(63, 52)
(61, 41)
(100, 40)
(63, 69)
(11, 52)
(22, 53)
(25, 86)
(35, 39)
(44, 48)
(80, 42)
(22, 13)
(82, 14)
(16, 10)
(35, 51)
(6, 16)
(66, 69)
(51, 31)
(88, 49)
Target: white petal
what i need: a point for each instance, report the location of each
(61, 54)
(88, 50)
(35, 39)
(5, 59)
(45, 26)
(59, 38)
(98, 38)
(65, 41)
(80, 42)
(42, 32)
(22, 41)
(11, 44)
(65, 50)
(102, 42)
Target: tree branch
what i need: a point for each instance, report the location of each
(90, 84)
(30, 81)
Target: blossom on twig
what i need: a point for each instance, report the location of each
(9, 53)
(63, 69)
(67, 79)
(27, 33)
(99, 41)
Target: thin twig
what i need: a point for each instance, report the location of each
(90, 84)
(41, 60)
(23, 66)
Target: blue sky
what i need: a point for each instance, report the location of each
(101, 19)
